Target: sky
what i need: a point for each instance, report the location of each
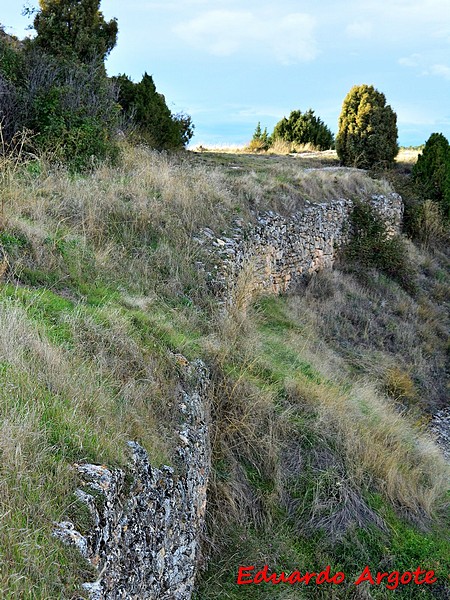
(230, 63)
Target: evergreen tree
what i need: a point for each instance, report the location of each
(304, 128)
(147, 110)
(432, 171)
(367, 135)
(260, 139)
(257, 134)
(74, 29)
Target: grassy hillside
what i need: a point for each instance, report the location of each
(321, 400)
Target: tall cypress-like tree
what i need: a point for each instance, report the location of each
(74, 29)
(432, 171)
(367, 135)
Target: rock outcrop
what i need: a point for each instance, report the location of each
(146, 522)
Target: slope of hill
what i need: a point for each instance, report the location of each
(321, 452)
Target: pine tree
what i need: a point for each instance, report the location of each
(257, 134)
(148, 111)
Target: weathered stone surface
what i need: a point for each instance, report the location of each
(440, 426)
(277, 249)
(144, 540)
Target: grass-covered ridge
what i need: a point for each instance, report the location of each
(321, 398)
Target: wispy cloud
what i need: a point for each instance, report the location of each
(441, 71)
(418, 61)
(413, 61)
(289, 38)
(359, 29)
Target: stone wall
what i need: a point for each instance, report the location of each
(270, 253)
(146, 523)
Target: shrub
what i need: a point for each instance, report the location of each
(399, 385)
(69, 105)
(11, 76)
(72, 106)
(260, 140)
(427, 224)
(370, 246)
(11, 58)
(367, 136)
(146, 111)
(304, 128)
(432, 171)
(72, 109)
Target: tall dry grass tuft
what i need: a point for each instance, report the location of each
(12, 156)
(429, 224)
(380, 444)
(280, 146)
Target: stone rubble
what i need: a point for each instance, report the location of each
(146, 523)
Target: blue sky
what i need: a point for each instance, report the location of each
(230, 64)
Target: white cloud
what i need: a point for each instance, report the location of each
(359, 29)
(441, 71)
(418, 61)
(414, 60)
(261, 112)
(289, 38)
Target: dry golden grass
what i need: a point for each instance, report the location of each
(284, 183)
(407, 156)
(399, 385)
(85, 365)
(384, 445)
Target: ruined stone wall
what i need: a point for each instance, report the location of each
(146, 523)
(276, 249)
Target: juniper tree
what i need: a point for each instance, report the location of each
(367, 135)
(432, 171)
(304, 128)
(74, 29)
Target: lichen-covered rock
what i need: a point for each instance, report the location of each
(269, 254)
(144, 540)
(440, 426)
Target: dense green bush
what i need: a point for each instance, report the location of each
(370, 246)
(11, 58)
(146, 111)
(304, 128)
(70, 108)
(432, 171)
(50, 87)
(55, 86)
(12, 70)
(367, 136)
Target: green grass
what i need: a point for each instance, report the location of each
(102, 288)
(288, 539)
